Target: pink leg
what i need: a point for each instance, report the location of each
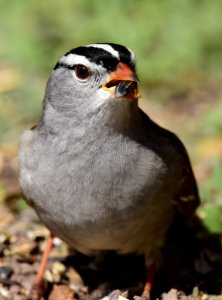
(39, 278)
(149, 284)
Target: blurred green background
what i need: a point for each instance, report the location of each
(178, 45)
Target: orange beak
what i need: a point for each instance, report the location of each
(122, 83)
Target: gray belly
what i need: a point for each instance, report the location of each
(104, 198)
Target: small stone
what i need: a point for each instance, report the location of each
(4, 292)
(31, 234)
(75, 279)
(115, 295)
(61, 292)
(97, 294)
(13, 239)
(171, 295)
(58, 268)
(22, 249)
(15, 289)
(48, 276)
(3, 238)
(57, 242)
(6, 272)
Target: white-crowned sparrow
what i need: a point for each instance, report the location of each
(97, 170)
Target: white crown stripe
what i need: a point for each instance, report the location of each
(107, 48)
(132, 54)
(72, 59)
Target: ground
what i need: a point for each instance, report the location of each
(191, 264)
(192, 257)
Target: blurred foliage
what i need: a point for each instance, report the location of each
(173, 40)
(2, 192)
(178, 47)
(211, 191)
(211, 121)
(169, 37)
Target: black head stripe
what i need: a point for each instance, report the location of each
(102, 57)
(124, 54)
(97, 56)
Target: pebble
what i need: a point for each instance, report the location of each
(6, 272)
(4, 292)
(75, 279)
(58, 268)
(3, 238)
(61, 292)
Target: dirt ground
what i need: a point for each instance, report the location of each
(192, 258)
(192, 265)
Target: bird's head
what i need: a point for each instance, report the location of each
(93, 76)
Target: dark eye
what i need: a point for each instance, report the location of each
(82, 72)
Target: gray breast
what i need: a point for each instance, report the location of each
(86, 190)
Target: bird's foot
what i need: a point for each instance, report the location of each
(149, 284)
(37, 287)
(145, 296)
(36, 293)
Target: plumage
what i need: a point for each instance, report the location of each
(99, 172)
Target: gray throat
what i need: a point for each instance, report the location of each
(119, 116)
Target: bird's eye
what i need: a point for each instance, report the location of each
(82, 72)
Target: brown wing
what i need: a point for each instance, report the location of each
(187, 198)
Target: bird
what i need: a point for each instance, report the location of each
(99, 172)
